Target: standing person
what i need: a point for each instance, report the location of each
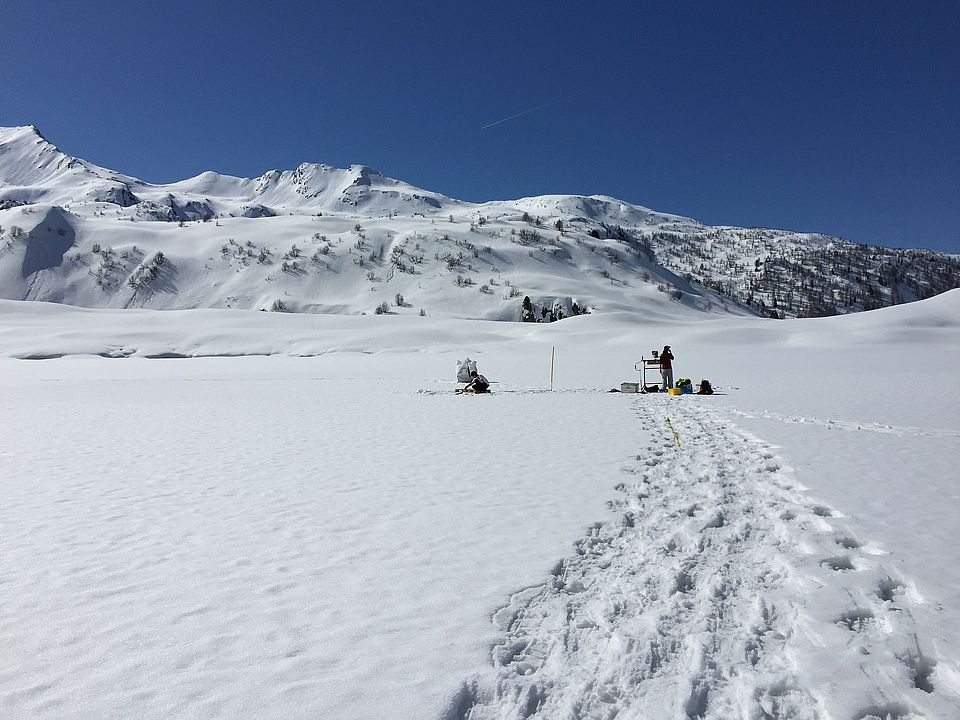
(666, 367)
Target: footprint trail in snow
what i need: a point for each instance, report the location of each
(720, 590)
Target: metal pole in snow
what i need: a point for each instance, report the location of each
(553, 352)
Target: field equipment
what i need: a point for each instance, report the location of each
(649, 365)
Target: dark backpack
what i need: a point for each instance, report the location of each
(705, 388)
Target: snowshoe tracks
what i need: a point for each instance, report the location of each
(678, 603)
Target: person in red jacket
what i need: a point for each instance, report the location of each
(666, 367)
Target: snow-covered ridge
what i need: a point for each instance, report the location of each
(324, 239)
(34, 170)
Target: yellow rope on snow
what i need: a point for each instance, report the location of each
(673, 430)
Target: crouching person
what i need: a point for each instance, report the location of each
(478, 383)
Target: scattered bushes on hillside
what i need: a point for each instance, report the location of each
(529, 237)
(107, 274)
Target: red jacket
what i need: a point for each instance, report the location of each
(666, 360)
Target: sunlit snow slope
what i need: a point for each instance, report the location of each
(320, 239)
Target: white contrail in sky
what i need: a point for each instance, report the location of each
(538, 107)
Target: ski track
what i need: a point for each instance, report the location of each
(711, 595)
(847, 425)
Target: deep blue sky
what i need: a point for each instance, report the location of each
(838, 117)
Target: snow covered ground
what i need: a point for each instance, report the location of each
(323, 529)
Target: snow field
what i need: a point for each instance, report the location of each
(342, 536)
(720, 590)
(240, 546)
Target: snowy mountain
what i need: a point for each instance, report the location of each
(331, 240)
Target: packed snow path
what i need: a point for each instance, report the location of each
(720, 590)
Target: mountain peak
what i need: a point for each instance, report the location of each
(21, 133)
(28, 159)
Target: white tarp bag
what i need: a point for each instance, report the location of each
(464, 368)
